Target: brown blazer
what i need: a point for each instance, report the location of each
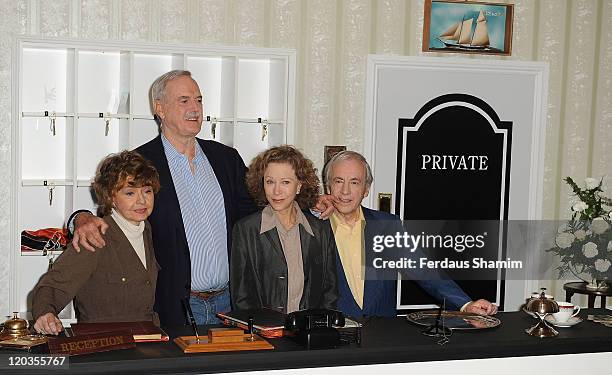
(108, 285)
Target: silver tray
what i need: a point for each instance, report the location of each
(454, 320)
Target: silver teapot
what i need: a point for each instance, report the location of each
(542, 306)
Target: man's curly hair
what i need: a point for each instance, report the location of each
(118, 170)
(304, 171)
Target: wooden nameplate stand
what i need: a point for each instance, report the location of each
(222, 340)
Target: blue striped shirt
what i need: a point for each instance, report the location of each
(203, 211)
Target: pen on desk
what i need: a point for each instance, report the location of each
(251, 324)
(191, 319)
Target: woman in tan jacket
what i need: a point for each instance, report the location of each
(115, 283)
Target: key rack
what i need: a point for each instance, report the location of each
(77, 102)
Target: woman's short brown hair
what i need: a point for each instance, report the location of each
(118, 170)
(304, 171)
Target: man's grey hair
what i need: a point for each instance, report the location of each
(158, 88)
(343, 156)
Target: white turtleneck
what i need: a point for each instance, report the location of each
(134, 234)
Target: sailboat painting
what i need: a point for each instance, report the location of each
(468, 27)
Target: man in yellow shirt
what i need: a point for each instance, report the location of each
(348, 177)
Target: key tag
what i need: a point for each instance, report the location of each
(264, 128)
(52, 118)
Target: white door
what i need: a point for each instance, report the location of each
(398, 87)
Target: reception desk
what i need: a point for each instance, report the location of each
(384, 341)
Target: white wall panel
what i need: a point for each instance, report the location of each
(13, 21)
(135, 20)
(173, 21)
(250, 17)
(578, 96)
(54, 17)
(390, 24)
(355, 46)
(95, 17)
(602, 131)
(213, 16)
(319, 76)
(552, 49)
(285, 23)
(414, 27)
(523, 30)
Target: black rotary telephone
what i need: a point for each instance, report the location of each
(315, 328)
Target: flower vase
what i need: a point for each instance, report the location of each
(597, 285)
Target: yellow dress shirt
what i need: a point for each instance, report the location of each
(349, 241)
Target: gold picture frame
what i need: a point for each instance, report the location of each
(468, 27)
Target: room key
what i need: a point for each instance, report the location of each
(106, 129)
(52, 123)
(264, 130)
(51, 195)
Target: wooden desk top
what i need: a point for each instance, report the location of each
(384, 340)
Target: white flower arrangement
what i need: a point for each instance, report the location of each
(580, 234)
(565, 240)
(602, 265)
(584, 243)
(580, 207)
(589, 250)
(591, 183)
(599, 225)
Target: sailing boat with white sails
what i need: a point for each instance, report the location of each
(460, 36)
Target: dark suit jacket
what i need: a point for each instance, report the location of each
(169, 239)
(380, 293)
(109, 285)
(258, 271)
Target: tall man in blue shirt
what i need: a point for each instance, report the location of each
(348, 178)
(202, 194)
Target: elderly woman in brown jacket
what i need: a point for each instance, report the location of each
(115, 283)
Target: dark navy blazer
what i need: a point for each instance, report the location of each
(380, 295)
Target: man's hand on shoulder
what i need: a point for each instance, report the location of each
(481, 307)
(88, 231)
(325, 206)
